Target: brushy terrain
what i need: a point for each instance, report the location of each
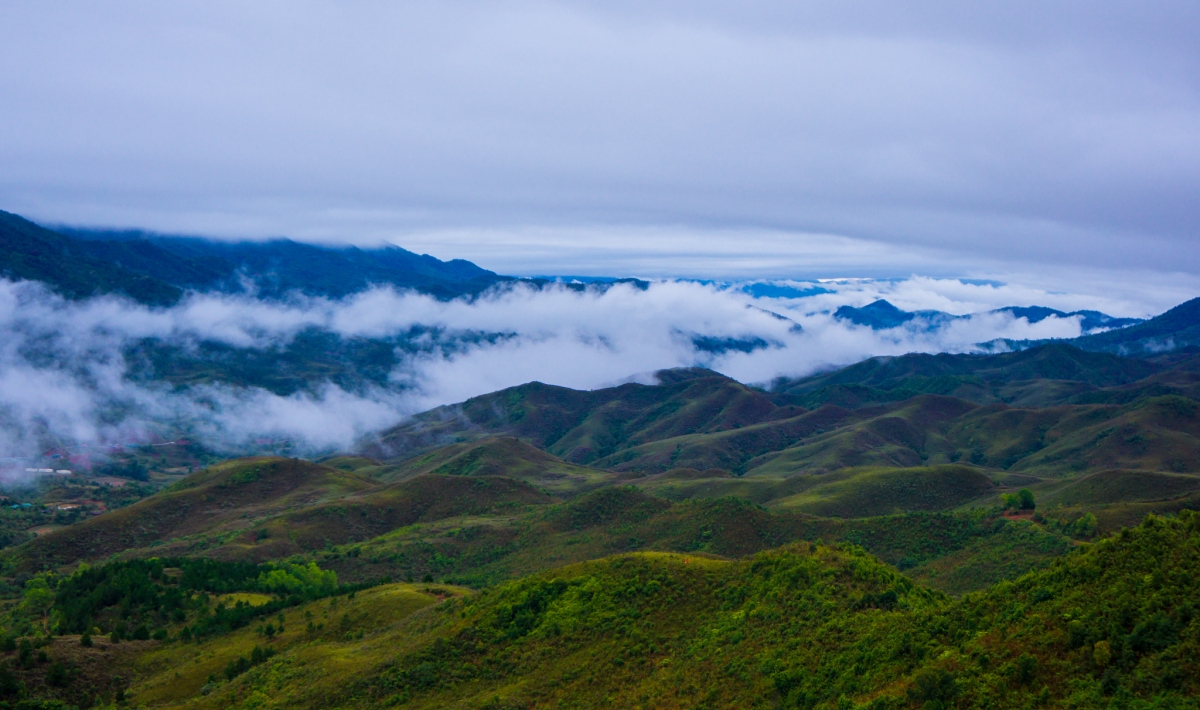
(1112, 625)
(943, 531)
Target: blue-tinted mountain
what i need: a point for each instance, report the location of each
(280, 266)
(33, 253)
(1176, 329)
(1089, 320)
(157, 269)
(882, 315)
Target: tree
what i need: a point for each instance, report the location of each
(1085, 526)
(57, 674)
(1025, 499)
(37, 599)
(937, 687)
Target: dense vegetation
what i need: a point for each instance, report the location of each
(940, 531)
(1112, 625)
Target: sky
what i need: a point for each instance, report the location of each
(1052, 143)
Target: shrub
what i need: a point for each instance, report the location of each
(1026, 668)
(56, 675)
(936, 687)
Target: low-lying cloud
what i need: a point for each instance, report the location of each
(68, 377)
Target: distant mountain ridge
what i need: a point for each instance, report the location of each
(157, 269)
(903, 411)
(1177, 330)
(882, 315)
(34, 253)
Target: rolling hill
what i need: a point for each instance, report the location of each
(858, 538)
(800, 626)
(701, 420)
(270, 508)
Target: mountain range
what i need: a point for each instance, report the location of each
(850, 539)
(157, 269)
(882, 315)
(998, 530)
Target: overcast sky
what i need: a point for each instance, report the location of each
(690, 138)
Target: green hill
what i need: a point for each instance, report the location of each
(695, 543)
(478, 550)
(506, 456)
(799, 626)
(1177, 328)
(270, 508)
(1060, 371)
(857, 493)
(1050, 411)
(224, 499)
(582, 427)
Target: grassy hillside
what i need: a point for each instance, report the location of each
(506, 456)
(582, 427)
(481, 550)
(222, 499)
(860, 493)
(1177, 328)
(696, 543)
(799, 626)
(1051, 411)
(980, 378)
(1161, 433)
(269, 508)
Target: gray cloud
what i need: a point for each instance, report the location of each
(921, 135)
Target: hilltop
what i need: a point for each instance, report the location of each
(1030, 418)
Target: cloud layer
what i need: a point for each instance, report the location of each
(69, 375)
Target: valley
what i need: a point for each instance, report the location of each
(705, 543)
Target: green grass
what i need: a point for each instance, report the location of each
(482, 550)
(860, 493)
